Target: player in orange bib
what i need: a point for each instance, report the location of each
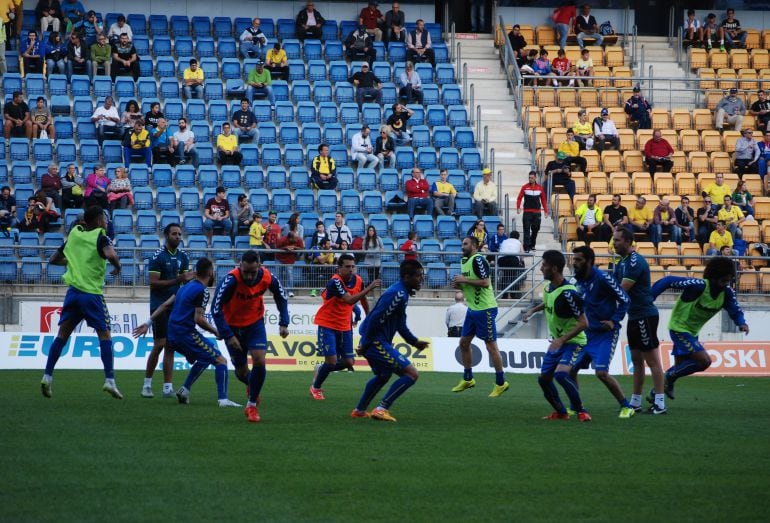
(334, 320)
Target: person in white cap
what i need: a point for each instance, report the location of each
(605, 132)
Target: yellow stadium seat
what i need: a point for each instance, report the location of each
(739, 58)
(546, 97)
(669, 252)
(681, 119)
(552, 117)
(641, 182)
(543, 157)
(528, 96)
(571, 246)
(762, 208)
(603, 73)
(633, 161)
(532, 117)
(680, 161)
(727, 78)
(764, 279)
(546, 35)
(603, 200)
(729, 138)
(552, 50)
(707, 78)
(698, 58)
(711, 140)
(656, 273)
(567, 97)
(597, 182)
(613, 56)
(580, 182)
(757, 260)
(704, 180)
(753, 37)
(671, 136)
(691, 254)
(602, 250)
(570, 115)
(538, 137)
(702, 119)
(748, 281)
(685, 184)
(699, 162)
(680, 271)
(622, 76)
(713, 97)
(527, 31)
(653, 200)
(562, 202)
(579, 200)
(618, 116)
(627, 139)
(620, 183)
(721, 163)
(760, 59)
(697, 270)
(731, 179)
(664, 184)
(689, 140)
(592, 160)
(750, 231)
(573, 54)
(589, 97)
(647, 249)
(660, 119)
(558, 135)
(753, 183)
(642, 137)
(568, 228)
(621, 97)
(593, 112)
(748, 79)
(717, 59)
(611, 161)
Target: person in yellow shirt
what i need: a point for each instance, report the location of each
(193, 80)
(584, 132)
(137, 143)
(571, 148)
(257, 232)
(444, 194)
(733, 216)
(717, 190)
(640, 217)
(227, 147)
(718, 239)
(277, 62)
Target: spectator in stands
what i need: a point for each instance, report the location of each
(322, 254)
(118, 28)
(125, 60)
(395, 21)
(243, 216)
(361, 149)
(339, 232)
(707, 220)
(36, 219)
(294, 226)
(184, 144)
(260, 82)
(586, 27)
(605, 132)
(732, 32)
(419, 46)
(42, 120)
(747, 153)
(485, 195)
(32, 53)
(732, 216)
(732, 109)
(55, 54)
(397, 122)
(717, 190)
(532, 195)
(216, 214)
(372, 19)
(589, 220)
(615, 216)
(374, 248)
(272, 233)
(384, 147)
(743, 199)
(138, 144)
(131, 115)
(572, 149)
(497, 239)
(193, 80)
(410, 246)
(47, 201)
(528, 67)
(245, 123)
(559, 172)
(51, 184)
(518, 43)
(359, 44)
(760, 109)
(585, 67)
(119, 191)
(309, 23)
(444, 194)
(73, 12)
(692, 30)
(257, 232)
(417, 192)
(227, 147)
(17, 120)
(367, 85)
(72, 189)
(162, 140)
(8, 218)
(286, 257)
(711, 31)
(563, 18)
(639, 110)
(96, 188)
(640, 217)
(277, 62)
(542, 68)
(479, 231)
(764, 158)
(719, 239)
(410, 85)
(323, 170)
(253, 41)
(664, 221)
(78, 57)
(153, 116)
(101, 55)
(584, 131)
(657, 153)
(685, 220)
(48, 13)
(319, 235)
(562, 68)
(89, 28)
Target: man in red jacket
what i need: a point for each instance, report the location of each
(534, 200)
(418, 194)
(288, 244)
(658, 152)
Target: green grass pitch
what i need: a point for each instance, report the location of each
(83, 456)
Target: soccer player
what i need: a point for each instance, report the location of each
(334, 320)
(566, 323)
(188, 307)
(605, 303)
(633, 274)
(700, 300)
(168, 269)
(239, 313)
(84, 253)
(475, 283)
(377, 330)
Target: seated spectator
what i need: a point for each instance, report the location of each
(323, 170)
(96, 188)
(542, 69)
(8, 218)
(747, 153)
(497, 239)
(162, 142)
(732, 216)
(339, 232)
(444, 194)
(125, 60)
(707, 220)
(397, 122)
(562, 68)
(42, 120)
(417, 193)
(253, 41)
(743, 199)
(153, 116)
(119, 191)
(559, 172)
(243, 215)
(55, 54)
(277, 62)
(319, 235)
(571, 148)
(216, 214)
(260, 82)
(47, 201)
(638, 110)
(89, 28)
(294, 226)
(730, 108)
(50, 184)
(563, 18)
(585, 68)
(518, 43)
(719, 239)
(78, 57)
(615, 216)
(760, 109)
(131, 115)
(32, 54)
(711, 31)
(528, 67)
(120, 27)
(359, 44)
(510, 246)
(395, 21)
(322, 253)
(732, 32)
(287, 256)
(584, 132)
(361, 150)
(605, 132)
(245, 123)
(589, 220)
(685, 220)
(257, 232)
(485, 196)
(664, 221)
(48, 14)
(72, 189)
(410, 246)
(36, 218)
(309, 23)
(586, 27)
(372, 18)
(137, 144)
(479, 231)
(227, 147)
(368, 86)
(418, 45)
(107, 120)
(101, 55)
(657, 153)
(717, 190)
(384, 147)
(764, 158)
(18, 123)
(692, 29)
(193, 81)
(73, 12)
(184, 144)
(640, 217)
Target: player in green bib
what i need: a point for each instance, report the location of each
(476, 285)
(566, 322)
(699, 302)
(84, 253)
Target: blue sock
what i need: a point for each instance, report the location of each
(683, 369)
(570, 387)
(105, 351)
(54, 353)
(341, 365)
(397, 389)
(373, 386)
(468, 374)
(220, 376)
(625, 403)
(195, 373)
(551, 394)
(323, 372)
(499, 378)
(256, 380)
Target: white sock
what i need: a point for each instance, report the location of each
(722, 42)
(148, 382)
(47, 377)
(660, 401)
(251, 404)
(168, 387)
(636, 400)
(110, 381)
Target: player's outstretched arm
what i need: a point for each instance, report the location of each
(352, 299)
(142, 329)
(531, 312)
(677, 282)
(112, 257)
(200, 320)
(58, 258)
(734, 310)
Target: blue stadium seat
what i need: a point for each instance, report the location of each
(89, 151)
(146, 67)
(28, 245)
(231, 176)
(436, 275)
(349, 113)
(281, 90)
(296, 70)
(445, 74)
(197, 246)
(333, 51)
(70, 215)
(183, 47)
(180, 25)
(284, 112)
(304, 200)
(221, 248)
(80, 85)
(281, 200)
(396, 52)
(332, 134)
(210, 68)
(9, 270)
(31, 270)
(425, 71)
(241, 23)
(340, 154)
(381, 224)
(174, 109)
(205, 154)
(430, 94)
(189, 199)
(418, 115)
(389, 93)
(463, 137)
(293, 155)
(463, 204)
(148, 89)
(312, 49)
(420, 136)
(311, 134)
(389, 180)
(345, 178)
(327, 201)
(441, 52)
(138, 23)
(112, 151)
(162, 175)
(161, 46)
(395, 201)
(218, 111)
(253, 177)
(338, 71)
(298, 178)
(259, 199)
(86, 130)
(436, 115)
(165, 199)
(208, 177)
(457, 116)
(227, 48)
(123, 220)
(306, 112)
(451, 95)
(349, 201)
(165, 66)
(169, 88)
(7, 244)
(184, 176)
(343, 93)
(231, 70)
(83, 107)
(285, 28)
(449, 158)
(426, 158)
(423, 226)
(66, 150)
(213, 89)
(442, 136)
(125, 245)
(316, 71)
(42, 150)
(267, 132)
(168, 217)
(57, 84)
(355, 221)
(329, 31)
(400, 226)
(276, 177)
(404, 157)
(142, 45)
(193, 222)
(201, 26)
(223, 27)
(288, 134)
(64, 128)
(372, 201)
(371, 114)
(12, 82)
(446, 227)
(471, 158)
(139, 175)
(430, 250)
(142, 198)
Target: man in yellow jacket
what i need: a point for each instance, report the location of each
(590, 217)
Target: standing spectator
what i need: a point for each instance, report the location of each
(184, 144)
(8, 218)
(162, 142)
(89, 28)
(664, 221)
(732, 32)
(418, 45)
(639, 110)
(584, 131)
(48, 13)
(585, 67)
(693, 31)
(287, 257)
(55, 54)
(657, 153)
(397, 122)
(339, 232)
(372, 19)
(455, 316)
(96, 188)
(125, 60)
(309, 23)
(78, 57)
(18, 123)
(42, 120)
(417, 192)
(101, 55)
(119, 191)
(760, 109)
(485, 196)
(586, 27)
(359, 44)
(257, 232)
(518, 43)
(374, 248)
(260, 82)
(131, 115)
(732, 216)
(361, 150)
(277, 62)
(563, 18)
(410, 246)
(605, 132)
(193, 80)
(118, 28)
(216, 214)
(272, 233)
(732, 109)
(744, 200)
(227, 147)
(615, 216)
(107, 121)
(747, 153)
(478, 24)
(395, 20)
(707, 220)
(73, 12)
(589, 220)
(384, 147)
(245, 123)
(497, 239)
(294, 226)
(535, 203)
(764, 158)
(244, 215)
(571, 148)
(72, 189)
(685, 220)
(367, 85)
(32, 53)
(559, 172)
(717, 190)
(51, 184)
(444, 194)
(719, 239)
(640, 217)
(323, 169)
(137, 143)
(253, 41)
(562, 68)
(153, 116)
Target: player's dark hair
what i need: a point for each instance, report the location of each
(345, 257)
(627, 235)
(587, 252)
(92, 214)
(167, 228)
(555, 259)
(409, 268)
(203, 266)
(718, 267)
(250, 256)
(474, 240)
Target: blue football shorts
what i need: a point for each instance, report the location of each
(384, 358)
(480, 324)
(332, 342)
(568, 354)
(685, 343)
(195, 347)
(253, 337)
(92, 308)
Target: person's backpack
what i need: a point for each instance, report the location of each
(606, 29)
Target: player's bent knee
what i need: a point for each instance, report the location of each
(603, 375)
(561, 376)
(220, 360)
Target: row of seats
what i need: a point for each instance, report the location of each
(735, 58)
(687, 141)
(610, 56)
(544, 35)
(749, 79)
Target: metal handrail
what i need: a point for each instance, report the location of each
(459, 59)
(506, 209)
(511, 70)
(678, 43)
(492, 168)
(499, 188)
(651, 88)
(671, 25)
(531, 273)
(634, 37)
(478, 120)
(626, 19)
(486, 145)
(470, 101)
(641, 67)
(465, 81)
